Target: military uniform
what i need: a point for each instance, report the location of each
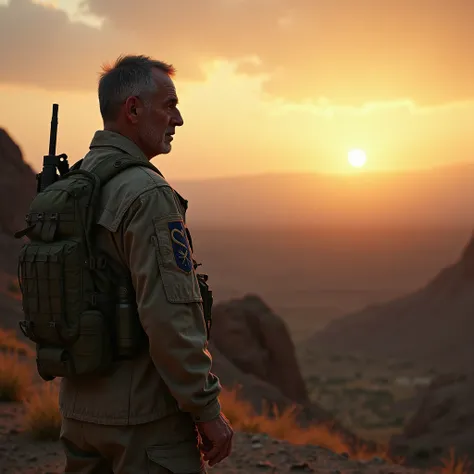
(140, 418)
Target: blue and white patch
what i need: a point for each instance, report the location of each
(181, 247)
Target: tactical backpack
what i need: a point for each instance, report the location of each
(70, 293)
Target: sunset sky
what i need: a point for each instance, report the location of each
(264, 85)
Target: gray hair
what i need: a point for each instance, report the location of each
(129, 76)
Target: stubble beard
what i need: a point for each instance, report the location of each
(153, 141)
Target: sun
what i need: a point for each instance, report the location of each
(357, 157)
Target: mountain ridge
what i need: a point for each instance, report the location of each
(431, 324)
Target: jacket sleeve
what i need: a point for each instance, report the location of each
(169, 301)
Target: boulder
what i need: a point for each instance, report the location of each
(257, 342)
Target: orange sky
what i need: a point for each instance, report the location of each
(264, 85)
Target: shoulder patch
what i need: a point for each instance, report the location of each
(181, 247)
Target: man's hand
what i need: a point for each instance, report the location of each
(216, 436)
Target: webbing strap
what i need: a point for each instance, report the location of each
(114, 164)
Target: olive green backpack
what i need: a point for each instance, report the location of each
(69, 291)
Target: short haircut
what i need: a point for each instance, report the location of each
(129, 76)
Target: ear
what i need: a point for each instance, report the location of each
(133, 108)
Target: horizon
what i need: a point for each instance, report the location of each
(455, 165)
(433, 199)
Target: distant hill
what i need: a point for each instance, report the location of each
(434, 325)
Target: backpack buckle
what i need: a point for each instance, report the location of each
(27, 329)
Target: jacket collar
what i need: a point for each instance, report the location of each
(106, 138)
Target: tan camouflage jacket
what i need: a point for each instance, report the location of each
(139, 219)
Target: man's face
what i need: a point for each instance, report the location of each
(159, 118)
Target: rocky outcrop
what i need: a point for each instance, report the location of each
(252, 349)
(444, 420)
(433, 326)
(257, 342)
(17, 189)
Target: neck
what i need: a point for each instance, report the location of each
(114, 127)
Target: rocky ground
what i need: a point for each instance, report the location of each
(252, 454)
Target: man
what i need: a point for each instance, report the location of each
(158, 412)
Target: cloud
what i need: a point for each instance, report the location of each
(347, 52)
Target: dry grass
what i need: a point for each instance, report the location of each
(456, 465)
(42, 417)
(15, 378)
(284, 427)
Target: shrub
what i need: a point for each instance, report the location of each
(42, 417)
(455, 465)
(15, 378)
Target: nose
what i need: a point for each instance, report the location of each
(177, 118)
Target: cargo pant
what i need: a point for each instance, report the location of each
(166, 446)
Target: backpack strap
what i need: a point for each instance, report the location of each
(112, 165)
(76, 165)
